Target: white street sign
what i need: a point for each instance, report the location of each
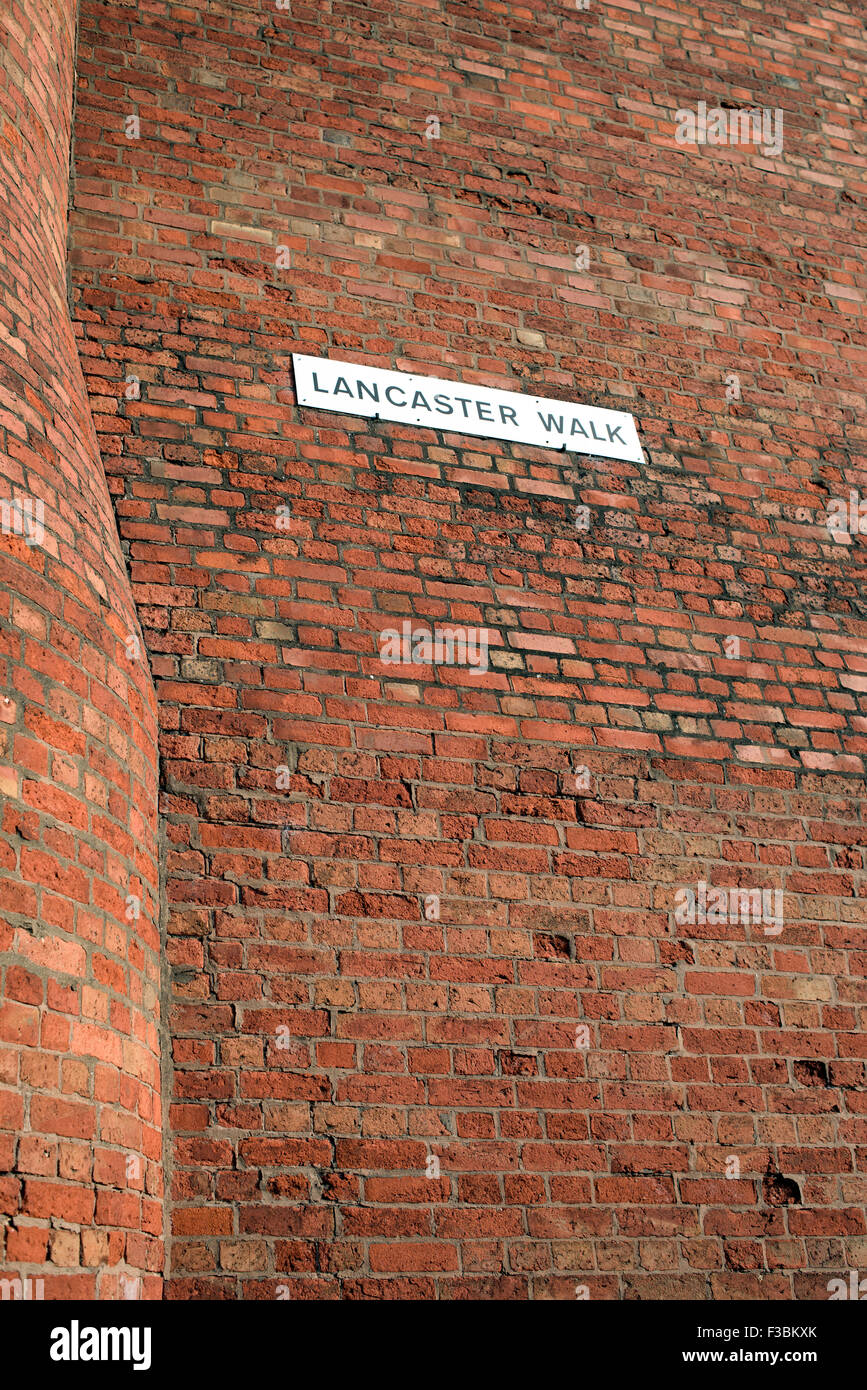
(436, 404)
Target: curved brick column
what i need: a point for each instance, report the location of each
(80, 1123)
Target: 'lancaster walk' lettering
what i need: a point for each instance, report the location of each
(464, 409)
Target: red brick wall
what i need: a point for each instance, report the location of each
(80, 1123)
(299, 1158)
